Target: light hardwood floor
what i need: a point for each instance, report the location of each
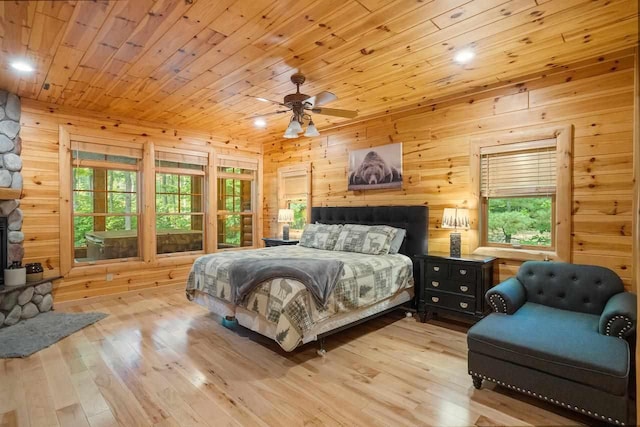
(163, 361)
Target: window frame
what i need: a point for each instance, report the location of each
(204, 173)
(561, 208)
(298, 170)
(254, 178)
(67, 134)
(107, 166)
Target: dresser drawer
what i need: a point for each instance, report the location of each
(450, 301)
(437, 270)
(463, 273)
(458, 287)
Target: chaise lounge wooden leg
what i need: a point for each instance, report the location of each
(477, 382)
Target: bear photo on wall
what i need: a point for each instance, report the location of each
(375, 168)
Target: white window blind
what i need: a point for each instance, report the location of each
(191, 159)
(107, 149)
(237, 162)
(294, 186)
(522, 169)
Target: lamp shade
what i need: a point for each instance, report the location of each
(289, 134)
(455, 218)
(294, 126)
(311, 130)
(285, 215)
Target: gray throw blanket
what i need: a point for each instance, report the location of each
(319, 276)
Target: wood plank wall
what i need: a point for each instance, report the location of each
(595, 96)
(40, 201)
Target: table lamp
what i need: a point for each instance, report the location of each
(455, 218)
(285, 216)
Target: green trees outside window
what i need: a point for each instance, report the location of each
(526, 221)
(299, 208)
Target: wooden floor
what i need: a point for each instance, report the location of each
(161, 360)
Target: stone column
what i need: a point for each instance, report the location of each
(10, 171)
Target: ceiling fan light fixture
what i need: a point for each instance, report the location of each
(294, 126)
(289, 134)
(311, 130)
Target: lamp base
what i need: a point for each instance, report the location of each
(285, 232)
(455, 245)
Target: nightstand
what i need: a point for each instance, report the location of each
(453, 285)
(272, 241)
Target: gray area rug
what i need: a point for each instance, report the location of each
(29, 336)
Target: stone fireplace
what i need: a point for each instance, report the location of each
(29, 300)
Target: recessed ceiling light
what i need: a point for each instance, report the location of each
(262, 99)
(464, 56)
(22, 66)
(260, 123)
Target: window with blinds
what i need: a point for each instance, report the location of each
(236, 201)
(518, 187)
(180, 200)
(105, 195)
(293, 193)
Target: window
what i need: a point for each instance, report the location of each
(236, 204)
(104, 202)
(294, 192)
(149, 203)
(179, 201)
(518, 186)
(523, 190)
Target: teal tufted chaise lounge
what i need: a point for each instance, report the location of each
(559, 332)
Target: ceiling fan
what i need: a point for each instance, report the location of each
(300, 105)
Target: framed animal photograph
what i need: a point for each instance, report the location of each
(376, 168)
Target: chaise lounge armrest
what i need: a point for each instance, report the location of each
(507, 297)
(619, 316)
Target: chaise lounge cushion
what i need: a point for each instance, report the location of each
(562, 343)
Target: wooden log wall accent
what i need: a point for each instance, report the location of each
(40, 201)
(595, 96)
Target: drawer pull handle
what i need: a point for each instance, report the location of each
(464, 305)
(435, 284)
(435, 299)
(463, 272)
(436, 268)
(464, 288)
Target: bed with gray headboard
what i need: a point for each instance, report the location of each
(283, 308)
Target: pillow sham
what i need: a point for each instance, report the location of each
(396, 243)
(320, 236)
(365, 239)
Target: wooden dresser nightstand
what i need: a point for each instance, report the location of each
(272, 241)
(453, 285)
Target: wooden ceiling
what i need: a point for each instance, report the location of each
(198, 63)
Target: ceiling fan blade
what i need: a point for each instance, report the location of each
(259, 98)
(268, 114)
(349, 114)
(320, 99)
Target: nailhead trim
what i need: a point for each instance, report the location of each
(624, 329)
(549, 399)
(494, 303)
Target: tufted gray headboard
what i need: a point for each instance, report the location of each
(414, 219)
(581, 288)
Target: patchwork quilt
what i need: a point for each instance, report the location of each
(286, 302)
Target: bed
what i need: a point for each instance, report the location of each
(283, 309)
